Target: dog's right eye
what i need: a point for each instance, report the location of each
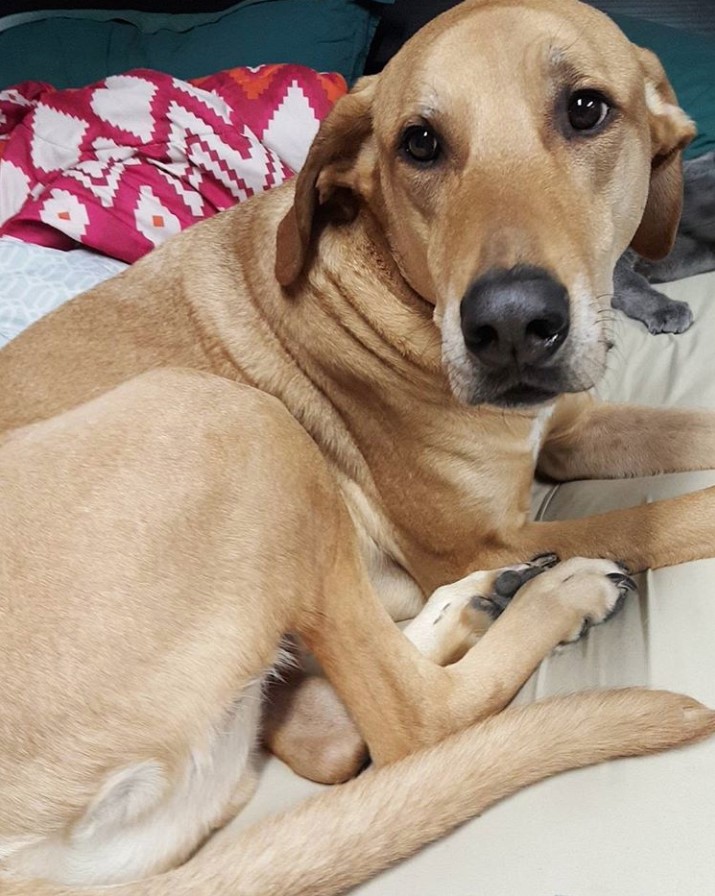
(420, 144)
(587, 110)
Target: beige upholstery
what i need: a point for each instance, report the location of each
(643, 827)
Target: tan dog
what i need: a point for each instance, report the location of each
(383, 353)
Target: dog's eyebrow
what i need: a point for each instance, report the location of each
(566, 72)
(424, 111)
(561, 66)
(427, 107)
(420, 112)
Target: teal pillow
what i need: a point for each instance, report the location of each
(689, 60)
(71, 49)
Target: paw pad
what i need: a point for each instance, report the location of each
(509, 581)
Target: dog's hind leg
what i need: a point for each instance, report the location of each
(305, 722)
(401, 700)
(535, 607)
(340, 838)
(537, 613)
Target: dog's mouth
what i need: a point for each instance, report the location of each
(512, 382)
(523, 395)
(527, 388)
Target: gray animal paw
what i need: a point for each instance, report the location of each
(635, 297)
(669, 316)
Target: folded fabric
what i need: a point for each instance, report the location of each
(124, 163)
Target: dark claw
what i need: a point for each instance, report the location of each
(545, 561)
(625, 584)
(623, 581)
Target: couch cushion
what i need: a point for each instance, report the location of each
(73, 48)
(689, 60)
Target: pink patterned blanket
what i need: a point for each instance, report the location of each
(121, 165)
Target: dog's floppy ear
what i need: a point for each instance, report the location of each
(670, 132)
(329, 165)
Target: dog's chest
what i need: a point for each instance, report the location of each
(399, 591)
(441, 496)
(538, 430)
(435, 506)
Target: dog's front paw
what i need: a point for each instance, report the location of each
(457, 615)
(588, 591)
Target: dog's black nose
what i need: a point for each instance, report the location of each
(517, 315)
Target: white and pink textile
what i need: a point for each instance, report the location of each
(122, 164)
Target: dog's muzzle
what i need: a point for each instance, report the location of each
(514, 323)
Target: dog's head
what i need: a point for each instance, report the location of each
(510, 153)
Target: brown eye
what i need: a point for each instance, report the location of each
(420, 144)
(587, 109)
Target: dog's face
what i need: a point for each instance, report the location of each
(511, 152)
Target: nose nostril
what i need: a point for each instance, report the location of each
(483, 337)
(545, 328)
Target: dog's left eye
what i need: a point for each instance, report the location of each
(587, 110)
(420, 143)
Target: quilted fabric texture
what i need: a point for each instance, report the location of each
(34, 280)
(121, 165)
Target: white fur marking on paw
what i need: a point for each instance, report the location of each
(424, 631)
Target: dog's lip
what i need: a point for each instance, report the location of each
(523, 395)
(526, 388)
